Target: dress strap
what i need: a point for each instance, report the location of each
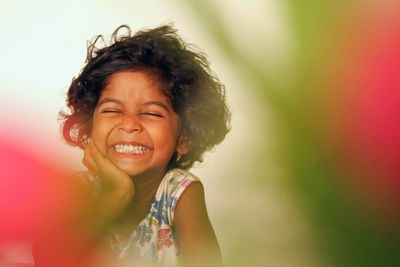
(174, 184)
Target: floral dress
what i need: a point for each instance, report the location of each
(153, 241)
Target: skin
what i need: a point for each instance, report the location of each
(133, 110)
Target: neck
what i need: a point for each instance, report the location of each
(145, 189)
(146, 184)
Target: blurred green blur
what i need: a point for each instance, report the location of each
(346, 223)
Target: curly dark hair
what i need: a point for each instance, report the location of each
(196, 94)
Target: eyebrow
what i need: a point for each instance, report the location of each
(109, 100)
(157, 103)
(149, 103)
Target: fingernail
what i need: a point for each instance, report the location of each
(84, 142)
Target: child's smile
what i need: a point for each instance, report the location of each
(130, 148)
(135, 125)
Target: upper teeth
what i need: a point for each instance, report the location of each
(130, 149)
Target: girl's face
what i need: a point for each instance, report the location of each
(134, 124)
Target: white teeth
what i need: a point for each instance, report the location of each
(119, 148)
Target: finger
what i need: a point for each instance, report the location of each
(95, 152)
(101, 162)
(89, 161)
(103, 165)
(106, 169)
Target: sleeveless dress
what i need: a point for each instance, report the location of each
(154, 240)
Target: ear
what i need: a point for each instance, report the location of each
(182, 145)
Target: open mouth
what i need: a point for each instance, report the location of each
(131, 149)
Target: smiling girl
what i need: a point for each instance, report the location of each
(144, 109)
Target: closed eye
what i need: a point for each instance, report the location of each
(153, 114)
(111, 111)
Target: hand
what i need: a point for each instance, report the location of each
(100, 166)
(119, 187)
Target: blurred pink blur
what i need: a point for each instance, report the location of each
(34, 196)
(364, 103)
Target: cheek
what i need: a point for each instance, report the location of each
(166, 137)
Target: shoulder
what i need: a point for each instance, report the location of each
(197, 240)
(177, 181)
(180, 175)
(189, 193)
(172, 187)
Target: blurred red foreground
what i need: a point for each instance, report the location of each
(35, 197)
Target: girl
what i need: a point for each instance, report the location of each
(145, 109)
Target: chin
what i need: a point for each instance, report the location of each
(133, 171)
(146, 173)
(130, 170)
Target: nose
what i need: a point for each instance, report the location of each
(130, 124)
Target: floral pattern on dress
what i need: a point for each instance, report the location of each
(164, 239)
(153, 239)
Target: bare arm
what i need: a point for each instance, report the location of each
(197, 241)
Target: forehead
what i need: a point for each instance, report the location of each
(134, 85)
